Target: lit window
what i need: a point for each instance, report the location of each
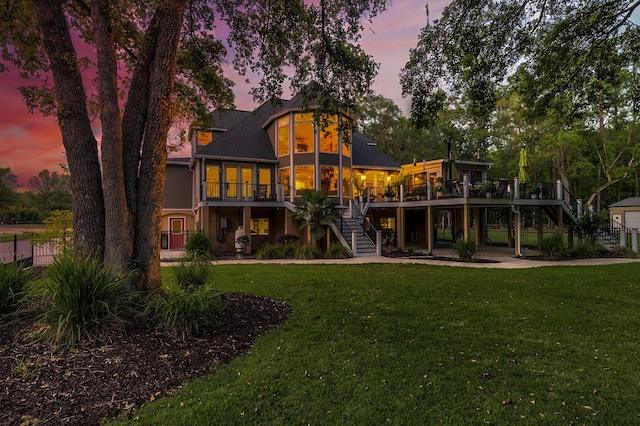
(329, 134)
(346, 182)
(304, 177)
(213, 181)
(260, 226)
(329, 180)
(283, 136)
(247, 182)
(303, 133)
(284, 179)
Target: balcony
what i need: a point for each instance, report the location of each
(246, 192)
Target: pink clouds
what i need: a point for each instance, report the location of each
(30, 142)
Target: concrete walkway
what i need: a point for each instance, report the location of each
(489, 257)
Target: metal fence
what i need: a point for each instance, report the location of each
(18, 249)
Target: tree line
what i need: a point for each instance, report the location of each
(48, 191)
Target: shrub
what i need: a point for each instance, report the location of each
(307, 251)
(13, 283)
(270, 251)
(465, 248)
(552, 245)
(586, 249)
(337, 251)
(83, 299)
(288, 239)
(186, 313)
(625, 251)
(289, 250)
(192, 272)
(199, 245)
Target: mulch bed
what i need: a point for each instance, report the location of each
(399, 254)
(82, 386)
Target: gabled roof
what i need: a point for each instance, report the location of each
(627, 202)
(363, 154)
(246, 139)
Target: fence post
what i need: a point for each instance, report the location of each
(623, 238)
(634, 239)
(516, 188)
(379, 243)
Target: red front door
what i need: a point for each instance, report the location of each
(176, 233)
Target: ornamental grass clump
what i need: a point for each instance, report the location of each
(270, 251)
(289, 250)
(337, 251)
(192, 271)
(193, 307)
(82, 300)
(14, 279)
(552, 246)
(185, 313)
(307, 251)
(199, 245)
(465, 248)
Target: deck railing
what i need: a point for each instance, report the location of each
(237, 191)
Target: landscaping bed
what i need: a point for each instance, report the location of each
(97, 380)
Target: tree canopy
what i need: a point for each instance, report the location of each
(558, 77)
(150, 61)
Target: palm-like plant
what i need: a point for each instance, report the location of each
(316, 211)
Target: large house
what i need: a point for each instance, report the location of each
(247, 168)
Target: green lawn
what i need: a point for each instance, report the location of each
(407, 344)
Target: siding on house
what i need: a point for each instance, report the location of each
(178, 187)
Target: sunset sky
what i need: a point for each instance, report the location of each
(30, 143)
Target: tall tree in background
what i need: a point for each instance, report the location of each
(383, 121)
(557, 45)
(50, 191)
(167, 52)
(8, 183)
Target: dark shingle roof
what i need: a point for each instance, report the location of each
(365, 155)
(246, 139)
(225, 119)
(627, 202)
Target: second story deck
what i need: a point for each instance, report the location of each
(491, 192)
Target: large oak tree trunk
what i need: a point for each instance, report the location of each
(77, 136)
(118, 230)
(154, 150)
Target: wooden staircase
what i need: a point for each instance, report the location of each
(348, 227)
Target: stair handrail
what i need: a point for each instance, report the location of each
(611, 232)
(367, 228)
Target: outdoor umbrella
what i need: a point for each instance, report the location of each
(522, 165)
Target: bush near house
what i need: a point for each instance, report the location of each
(465, 248)
(199, 245)
(337, 251)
